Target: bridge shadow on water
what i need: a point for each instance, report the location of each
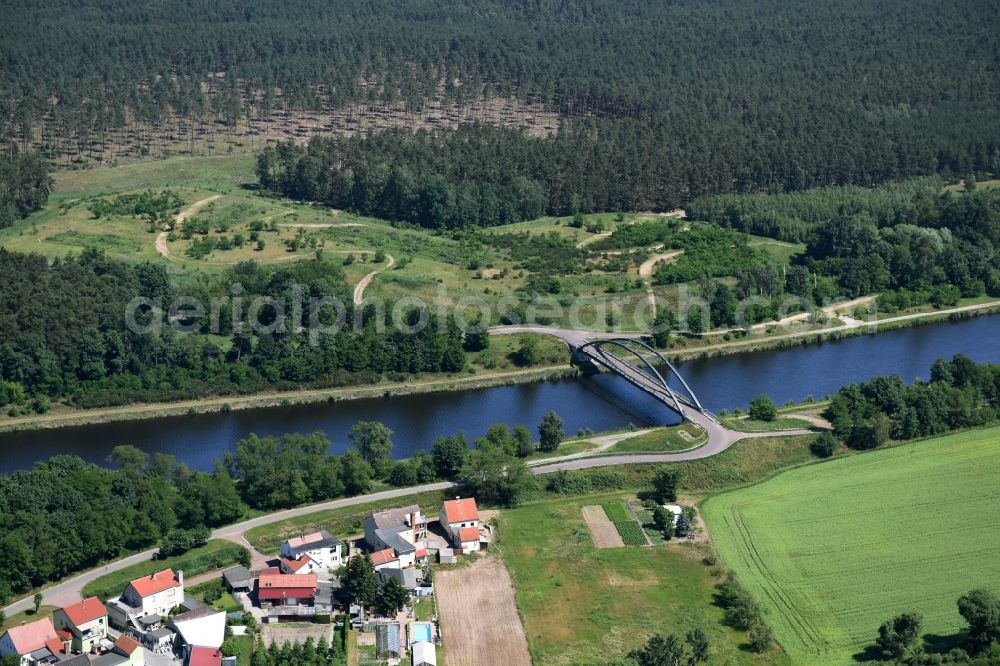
(616, 390)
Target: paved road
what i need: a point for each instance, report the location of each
(720, 439)
(570, 336)
(69, 591)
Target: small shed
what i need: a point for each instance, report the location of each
(423, 653)
(238, 579)
(446, 556)
(675, 509)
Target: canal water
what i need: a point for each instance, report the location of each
(600, 403)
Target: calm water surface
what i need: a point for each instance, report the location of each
(602, 403)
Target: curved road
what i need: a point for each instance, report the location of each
(720, 438)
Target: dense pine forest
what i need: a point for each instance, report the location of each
(681, 98)
(63, 335)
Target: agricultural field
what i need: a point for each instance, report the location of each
(602, 531)
(585, 605)
(628, 529)
(478, 615)
(857, 540)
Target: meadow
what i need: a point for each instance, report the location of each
(831, 551)
(230, 221)
(584, 605)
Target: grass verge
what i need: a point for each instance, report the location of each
(215, 554)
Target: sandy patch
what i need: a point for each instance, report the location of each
(602, 530)
(478, 616)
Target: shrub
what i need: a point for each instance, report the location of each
(762, 409)
(759, 638)
(824, 445)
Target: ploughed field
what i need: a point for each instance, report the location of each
(830, 551)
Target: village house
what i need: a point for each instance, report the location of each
(311, 553)
(287, 594)
(126, 652)
(202, 627)
(403, 529)
(35, 643)
(460, 519)
(146, 600)
(86, 622)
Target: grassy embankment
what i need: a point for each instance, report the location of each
(831, 551)
(663, 440)
(214, 555)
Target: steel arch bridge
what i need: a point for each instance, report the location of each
(646, 377)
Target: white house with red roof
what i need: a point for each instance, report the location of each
(34, 642)
(311, 553)
(148, 598)
(86, 622)
(460, 519)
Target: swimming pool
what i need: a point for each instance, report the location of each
(420, 631)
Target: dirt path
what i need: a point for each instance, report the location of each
(646, 271)
(359, 288)
(161, 238)
(479, 619)
(592, 239)
(321, 225)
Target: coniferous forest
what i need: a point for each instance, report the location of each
(679, 98)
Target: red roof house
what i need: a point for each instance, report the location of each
(466, 534)
(278, 587)
(26, 638)
(155, 583)
(384, 557)
(85, 611)
(463, 510)
(205, 656)
(127, 645)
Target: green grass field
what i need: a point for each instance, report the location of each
(583, 605)
(217, 553)
(662, 440)
(780, 423)
(831, 551)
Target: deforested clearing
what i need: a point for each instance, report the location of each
(830, 551)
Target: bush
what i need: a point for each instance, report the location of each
(759, 638)
(824, 445)
(762, 408)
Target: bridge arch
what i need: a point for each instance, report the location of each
(629, 345)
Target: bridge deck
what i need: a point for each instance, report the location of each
(677, 402)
